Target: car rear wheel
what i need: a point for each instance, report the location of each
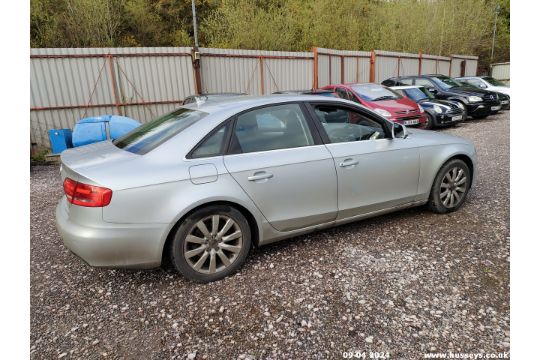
(211, 243)
(450, 187)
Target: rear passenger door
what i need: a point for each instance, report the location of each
(278, 158)
(374, 171)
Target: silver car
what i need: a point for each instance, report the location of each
(203, 184)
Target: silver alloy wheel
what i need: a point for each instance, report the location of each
(453, 187)
(211, 251)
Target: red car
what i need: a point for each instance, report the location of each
(383, 101)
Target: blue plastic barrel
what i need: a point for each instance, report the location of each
(100, 128)
(60, 140)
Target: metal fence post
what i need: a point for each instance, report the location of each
(114, 84)
(372, 66)
(420, 63)
(315, 67)
(261, 72)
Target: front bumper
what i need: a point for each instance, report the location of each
(111, 245)
(419, 120)
(449, 118)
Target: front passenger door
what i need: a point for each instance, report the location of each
(278, 159)
(374, 171)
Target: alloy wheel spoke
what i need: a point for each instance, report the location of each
(459, 174)
(445, 201)
(234, 235)
(448, 177)
(451, 199)
(195, 239)
(460, 189)
(198, 265)
(462, 181)
(202, 226)
(215, 224)
(228, 224)
(444, 193)
(224, 259)
(445, 185)
(231, 248)
(456, 196)
(212, 268)
(197, 251)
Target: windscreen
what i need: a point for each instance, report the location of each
(418, 94)
(494, 82)
(445, 82)
(150, 135)
(375, 92)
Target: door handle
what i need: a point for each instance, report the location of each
(348, 162)
(262, 175)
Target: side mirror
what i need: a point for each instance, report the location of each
(399, 131)
(483, 86)
(432, 90)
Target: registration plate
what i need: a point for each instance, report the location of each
(493, 108)
(504, 102)
(410, 122)
(454, 118)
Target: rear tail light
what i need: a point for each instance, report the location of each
(86, 195)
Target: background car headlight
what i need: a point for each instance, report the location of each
(475, 98)
(437, 109)
(383, 112)
(461, 106)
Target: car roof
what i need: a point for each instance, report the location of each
(244, 102)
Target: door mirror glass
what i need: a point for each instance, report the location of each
(399, 131)
(432, 90)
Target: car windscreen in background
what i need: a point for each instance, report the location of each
(149, 136)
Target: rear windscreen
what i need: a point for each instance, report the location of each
(150, 135)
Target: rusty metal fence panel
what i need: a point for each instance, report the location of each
(463, 65)
(255, 72)
(501, 71)
(338, 66)
(143, 83)
(69, 84)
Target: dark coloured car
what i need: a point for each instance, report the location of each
(479, 103)
(209, 96)
(440, 112)
(488, 83)
(308, 92)
(384, 101)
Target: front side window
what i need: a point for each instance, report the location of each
(150, 135)
(494, 81)
(271, 128)
(345, 125)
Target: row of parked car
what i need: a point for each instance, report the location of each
(427, 101)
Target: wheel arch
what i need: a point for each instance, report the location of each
(253, 224)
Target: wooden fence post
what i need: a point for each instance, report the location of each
(114, 85)
(261, 73)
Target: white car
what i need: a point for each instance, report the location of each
(486, 82)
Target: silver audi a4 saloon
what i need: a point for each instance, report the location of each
(204, 183)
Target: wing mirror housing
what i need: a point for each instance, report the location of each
(399, 131)
(432, 90)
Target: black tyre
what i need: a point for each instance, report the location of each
(430, 124)
(211, 243)
(450, 187)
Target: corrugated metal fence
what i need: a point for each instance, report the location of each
(501, 71)
(142, 83)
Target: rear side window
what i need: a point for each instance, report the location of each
(271, 128)
(213, 145)
(150, 135)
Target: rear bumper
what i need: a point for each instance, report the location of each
(112, 245)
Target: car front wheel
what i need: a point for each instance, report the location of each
(211, 243)
(450, 187)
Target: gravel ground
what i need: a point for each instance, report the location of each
(405, 283)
